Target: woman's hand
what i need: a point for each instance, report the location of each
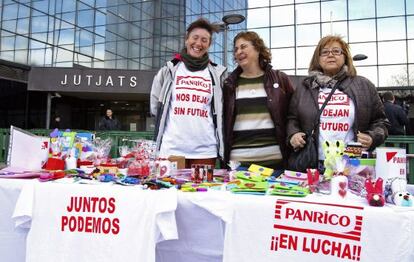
(365, 140)
(298, 140)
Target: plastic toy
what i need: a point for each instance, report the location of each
(375, 195)
(333, 151)
(396, 192)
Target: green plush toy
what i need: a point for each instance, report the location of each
(333, 152)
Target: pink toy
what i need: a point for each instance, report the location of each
(375, 192)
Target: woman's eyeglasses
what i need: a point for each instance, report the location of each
(336, 51)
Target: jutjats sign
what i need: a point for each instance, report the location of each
(90, 80)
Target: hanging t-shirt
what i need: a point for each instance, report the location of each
(337, 118)
(72, 222)
(190, 128)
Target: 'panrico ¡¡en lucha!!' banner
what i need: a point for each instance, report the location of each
(319, 228)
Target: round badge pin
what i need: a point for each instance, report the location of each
(275, 85)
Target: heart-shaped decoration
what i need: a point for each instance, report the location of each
(342, 193)
(163, 170)
(342, 185)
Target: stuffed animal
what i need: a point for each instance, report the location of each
(333, 152)
(375, 194)
(396, 192)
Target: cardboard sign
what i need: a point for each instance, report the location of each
(26, 150)
(391, 162)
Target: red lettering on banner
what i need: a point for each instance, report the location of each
(199, 99)
(91, 224)
(399, 160)
(179, 111)
(338, 234)
(182, 97)
(197, 112)
(317, 217)
(335, 112)
(344, 127)
(336, 99)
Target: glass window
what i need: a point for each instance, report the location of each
(283, 58)
(100, 51)
(24, 11)
(7, 43)
(363, 30)
(85, 18)
(308, 34)
(393, 52)
(20, 56)
(37, 57)
(391, 28)
(389, 8)
(333, 10)
(411, 52)
(68, 6)
(257, 17)
(23, 26)
(63, 55)
(100, 18)
(410, 26)
(69, 17)
(369, 72)
(7, 55)
(263, 33)
(10, 12)
(302, 72)
(335, 28)
(410, 7)
(304, 56)
(282, 36)
(39, 24)
(368, 49)
(395, 75)
(64, 37)
(411, 75)
(281, 2)
(9, 25)
(41, 5)
(282, 15)
(307, 13)
(22, 42)
(304, 1)
(257, 3)
(361, 9)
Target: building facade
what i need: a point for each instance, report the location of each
(143, 35)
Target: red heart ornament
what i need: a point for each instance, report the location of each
(342, 185)
(342, 193)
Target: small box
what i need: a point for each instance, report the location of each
(265, 171)
(180, 160)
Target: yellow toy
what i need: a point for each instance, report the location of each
(333, 152)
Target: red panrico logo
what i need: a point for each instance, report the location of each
(320, 228)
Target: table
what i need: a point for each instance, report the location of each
(210, 223)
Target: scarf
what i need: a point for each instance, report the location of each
(192, 63)
(322, 80)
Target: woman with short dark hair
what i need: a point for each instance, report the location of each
(186, 98)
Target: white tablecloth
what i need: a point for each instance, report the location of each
(204, 218)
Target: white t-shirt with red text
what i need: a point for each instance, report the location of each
(82, 223)
(190, 130)
(336, 119)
